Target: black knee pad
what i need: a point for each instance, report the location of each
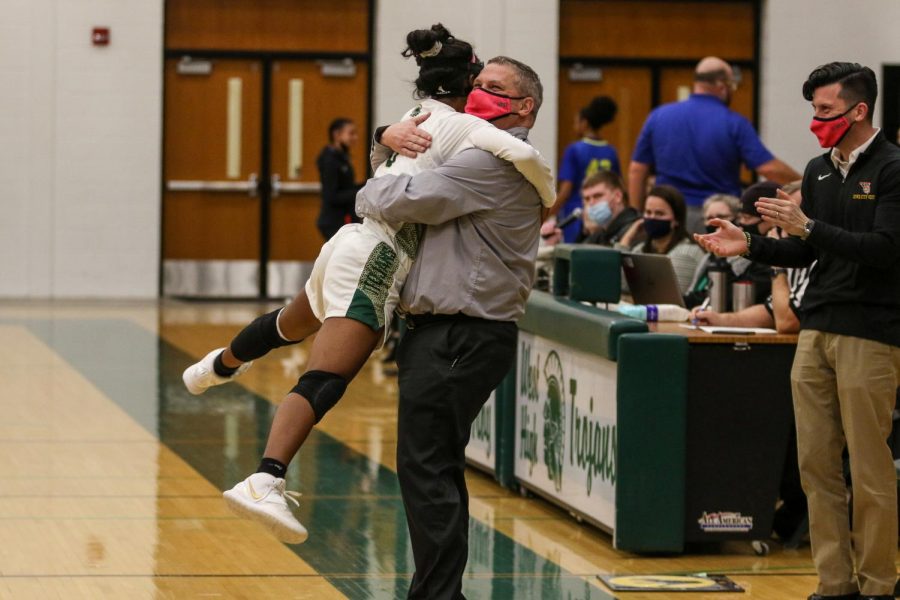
(257, 338)
(321, 389)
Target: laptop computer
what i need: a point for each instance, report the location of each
(651, 279)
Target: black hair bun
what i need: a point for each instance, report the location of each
(423, 40)
(600, 111)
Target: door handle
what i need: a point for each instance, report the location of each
(293, 187)
(251, 186)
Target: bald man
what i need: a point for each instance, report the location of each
(698, 145)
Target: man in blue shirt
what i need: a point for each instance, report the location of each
(698, 145)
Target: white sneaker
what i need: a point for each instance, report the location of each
(262, 498)
(200, 376)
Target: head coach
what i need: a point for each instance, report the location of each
(845, 372)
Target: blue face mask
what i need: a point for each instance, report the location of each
(600, 213)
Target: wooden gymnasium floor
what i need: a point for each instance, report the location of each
(110, 479)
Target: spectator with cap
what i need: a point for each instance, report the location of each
(698, 145)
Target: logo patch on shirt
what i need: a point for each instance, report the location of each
(866, 188)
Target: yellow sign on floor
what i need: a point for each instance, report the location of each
(669, 583)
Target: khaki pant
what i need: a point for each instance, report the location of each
(844, 390)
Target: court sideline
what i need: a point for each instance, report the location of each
(111, 474)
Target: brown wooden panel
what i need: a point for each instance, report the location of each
(671, 78)
(285, 25)
(219, 226)
(324, 99)
(210, 225)
(292, 233)
(630, 87)
(656, 29)
(196, 120)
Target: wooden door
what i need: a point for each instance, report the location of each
(630, 87)
(306, 96)
(211, 210)
(675, 82)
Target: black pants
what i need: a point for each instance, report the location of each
(448, 368)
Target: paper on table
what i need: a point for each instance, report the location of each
(737, 330)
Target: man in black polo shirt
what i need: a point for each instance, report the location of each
(846, 367)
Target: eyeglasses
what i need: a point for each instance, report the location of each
(723, 217)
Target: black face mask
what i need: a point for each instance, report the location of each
(657, 228)
(751, 229)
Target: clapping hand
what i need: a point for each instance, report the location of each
(727, 240)
(783, 212)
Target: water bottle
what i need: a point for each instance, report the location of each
(742, 295)
(718, 284)
(655, 312)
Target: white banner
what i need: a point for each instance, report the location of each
(566, 426)
(482, 448)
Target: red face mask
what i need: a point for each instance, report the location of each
(832, 130)
(489, 106)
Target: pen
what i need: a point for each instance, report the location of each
(703, 307)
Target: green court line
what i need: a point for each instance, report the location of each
(359, 532)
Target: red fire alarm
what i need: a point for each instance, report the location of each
(100, 36)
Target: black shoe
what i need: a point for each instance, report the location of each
(853, 596)
(878, 597)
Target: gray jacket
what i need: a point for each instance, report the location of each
(482, 228)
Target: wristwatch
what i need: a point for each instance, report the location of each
(807, 229)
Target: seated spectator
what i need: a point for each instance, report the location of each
(781, 310)
(663, 232)
(722, 206)
(607, 214)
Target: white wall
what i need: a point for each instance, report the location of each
(798, 36)
(80, 148)
(80, 126)
(527, 30)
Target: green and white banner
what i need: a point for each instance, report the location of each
(482, 448)
(565, 443)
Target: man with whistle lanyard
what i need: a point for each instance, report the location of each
(845, 373)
